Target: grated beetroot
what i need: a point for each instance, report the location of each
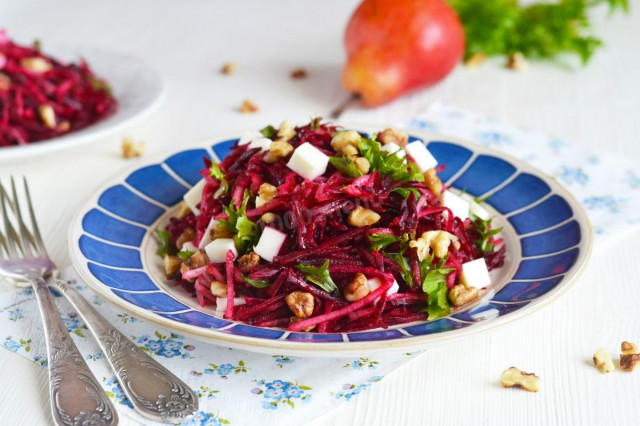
(313, 214)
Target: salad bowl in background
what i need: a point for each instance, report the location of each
(137, 88)
(546, 233)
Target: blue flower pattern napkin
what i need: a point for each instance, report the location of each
(237, 387)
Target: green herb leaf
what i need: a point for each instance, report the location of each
(380, 241)
(437, 303)
(257, 283)
(388, 164)
(246, 233)
(164, 248)
(346, 166)
(542, 30)
(315, 123)
(269, 132)
(218, 174)
(484, 229)
(434, 284)
(405, 192)
(319, 276)
(185, 254)
(405, 268)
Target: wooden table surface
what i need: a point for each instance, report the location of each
(188, 41)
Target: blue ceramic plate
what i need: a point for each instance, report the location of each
(546, 233)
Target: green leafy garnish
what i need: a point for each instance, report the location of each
(319, 276)
(380, 241)
(315, 123)
(217, 173)
(164, 237)
(269, 132)
(437, 303)
(245, 232)
(257, 283)
(346, 166)
(434, 285)
(37, 44)
(388, 164)
(185, 254)
(405, 192)
(99, 84)
(542, 30)
(484, 229)
(405, 268)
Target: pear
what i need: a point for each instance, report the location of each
(397, 46)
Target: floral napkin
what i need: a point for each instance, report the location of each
(243, 388)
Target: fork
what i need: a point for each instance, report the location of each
(154, 391)
(76, 395)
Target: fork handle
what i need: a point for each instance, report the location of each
(154, 391)
(76, 395)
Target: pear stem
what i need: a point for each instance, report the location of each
(336, 113)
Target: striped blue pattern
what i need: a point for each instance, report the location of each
(543, 220)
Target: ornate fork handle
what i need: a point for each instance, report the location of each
(153, 390)
(76, 395)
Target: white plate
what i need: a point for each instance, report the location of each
(138, 89)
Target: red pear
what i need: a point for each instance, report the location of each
(396, 46)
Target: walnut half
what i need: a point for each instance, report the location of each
(514, 377)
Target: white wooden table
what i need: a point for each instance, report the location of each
(188, 41)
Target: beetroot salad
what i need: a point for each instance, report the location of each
(42, 98)
(316, 228)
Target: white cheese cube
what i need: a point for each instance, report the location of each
(270, 243)
(250, 135)
(421, 156)
(475, 208)
(308, 161)
(218, 248)
(458, 206)
(375, 282)
(206, 238)
(475, 274)
(188, 246)
(194, 196)
(221, 303)
(262, 143)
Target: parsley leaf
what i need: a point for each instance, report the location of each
(405, 192)
(405, 268)
(437, 303)
(388, 164)
(164, 248)
(484, 229)
(269, 132)
(434, 284)
(257, 283)
(319, 276)
(346, 166)
(217, 173)
(542, 30)
(185, 254)
(380, 241)
(245, 232)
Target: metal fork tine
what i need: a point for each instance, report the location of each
(27, 238)
(34, 224)
(12, 236)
